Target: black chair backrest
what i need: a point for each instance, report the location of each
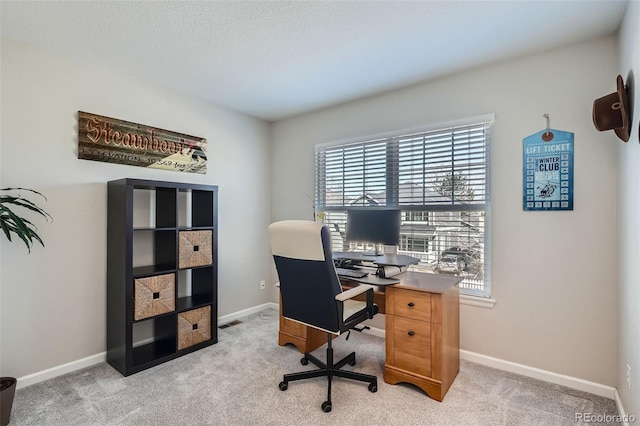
(308, 280)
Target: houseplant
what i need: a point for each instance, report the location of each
(13, 205)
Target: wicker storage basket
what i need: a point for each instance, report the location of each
(194, 327)
(195, 249)
(153, 296)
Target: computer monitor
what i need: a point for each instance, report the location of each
(376, 225)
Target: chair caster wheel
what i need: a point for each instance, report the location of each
(284, 386)
(326, 406)
(304, 361)
(373, 388)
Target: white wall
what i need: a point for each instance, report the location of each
(53, 300)
(554, 273)
(629, 226)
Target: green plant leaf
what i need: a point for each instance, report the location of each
(12, 222)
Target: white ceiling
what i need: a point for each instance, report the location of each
(275, 59)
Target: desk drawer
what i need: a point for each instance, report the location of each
(412, 304)
(412, 345)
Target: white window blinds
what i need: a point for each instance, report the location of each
(439, 178)
(446, 167)
(437, 168)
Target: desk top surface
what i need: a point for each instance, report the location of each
(438, 283)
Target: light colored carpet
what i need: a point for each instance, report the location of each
(235, 382)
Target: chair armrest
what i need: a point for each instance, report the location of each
(353, 292)
(364, 313)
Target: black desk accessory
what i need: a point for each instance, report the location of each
(382, 260)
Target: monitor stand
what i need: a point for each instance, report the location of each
(379, 251)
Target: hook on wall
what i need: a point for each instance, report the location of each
(547, 135)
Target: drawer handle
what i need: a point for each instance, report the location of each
(411, 333)
(410, 304)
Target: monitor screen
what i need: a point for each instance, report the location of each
(374, 225)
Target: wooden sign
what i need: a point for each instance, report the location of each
(117, 141)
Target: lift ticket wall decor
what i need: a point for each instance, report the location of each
(547, 160)
(117, 141)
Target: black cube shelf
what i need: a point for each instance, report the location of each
(144, 222)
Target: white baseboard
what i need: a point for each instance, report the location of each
(243, 313)
(50, 373)
(374, 331)
(624, 417)
(72, 366)
(548, 376)
(536, 373)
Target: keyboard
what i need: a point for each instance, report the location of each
(352, 273)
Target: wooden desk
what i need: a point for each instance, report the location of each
(422, 329)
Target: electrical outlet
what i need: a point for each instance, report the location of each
(628, 377)
(262, 285)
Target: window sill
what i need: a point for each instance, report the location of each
(481, 302)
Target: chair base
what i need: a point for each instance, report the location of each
(329, 370)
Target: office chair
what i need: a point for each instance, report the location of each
(311, 294)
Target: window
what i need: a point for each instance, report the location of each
(439, 178)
